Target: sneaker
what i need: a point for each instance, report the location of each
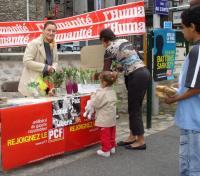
(113, 150)
(102, 153)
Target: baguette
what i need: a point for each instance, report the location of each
(163, 91)
(160, 88)
(170, 91)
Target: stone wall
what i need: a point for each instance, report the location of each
(37, 9)
(15, 10)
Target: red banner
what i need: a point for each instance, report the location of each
(28, 134)
(126, 19)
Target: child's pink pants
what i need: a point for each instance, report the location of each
(107, 137)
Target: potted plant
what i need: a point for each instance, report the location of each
(69, 85)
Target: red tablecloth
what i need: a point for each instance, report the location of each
(29, 132)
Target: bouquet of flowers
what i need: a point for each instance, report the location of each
(38, 87)
(56, 78)
(43, 86)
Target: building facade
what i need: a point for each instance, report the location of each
(36, 10)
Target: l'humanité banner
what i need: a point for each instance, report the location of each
(123, 20)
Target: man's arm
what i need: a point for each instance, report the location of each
(189, 93)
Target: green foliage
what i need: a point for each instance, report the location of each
(80, 75)
(73, 74)
(116, 66)
(56, 78)
(32, 84)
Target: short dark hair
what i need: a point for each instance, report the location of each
(49, 23)
(107, 35)
(191, 15)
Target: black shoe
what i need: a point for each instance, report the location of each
(141, 147)
(122, 143)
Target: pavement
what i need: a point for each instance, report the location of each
(160, 158)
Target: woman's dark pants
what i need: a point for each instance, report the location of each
(136, 84)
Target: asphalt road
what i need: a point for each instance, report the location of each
(160, 159)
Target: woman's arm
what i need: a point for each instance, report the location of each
(29, 58)
(107, 64)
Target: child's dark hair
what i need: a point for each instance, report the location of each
(49, 23)
(192, 15)
(109, 77)
(107, 35)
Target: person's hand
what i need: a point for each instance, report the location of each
(170, 100)
(51, 92)
(51, 69)
(119, 68)
(93, 93)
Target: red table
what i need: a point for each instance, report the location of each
(29, 135)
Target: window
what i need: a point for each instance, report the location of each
(90, 4)
(119, 2)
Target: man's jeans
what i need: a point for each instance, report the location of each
(189, 153)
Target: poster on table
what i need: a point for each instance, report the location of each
(124, 20)
(66, 111)
(161, 7)
(164, 54)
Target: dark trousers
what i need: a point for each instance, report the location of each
(136, 84)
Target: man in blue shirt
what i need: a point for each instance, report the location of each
(188, 97)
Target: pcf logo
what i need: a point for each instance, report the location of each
(55, 134)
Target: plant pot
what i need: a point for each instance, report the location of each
(75, 87)
(69, 87)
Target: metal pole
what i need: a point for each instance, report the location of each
(27, 10)
(86, 5)
(149, 90)
(155, 99)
